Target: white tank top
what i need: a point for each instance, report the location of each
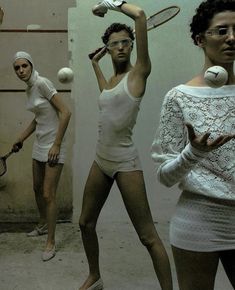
(117, 118)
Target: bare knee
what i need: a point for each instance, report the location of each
(38, 190)
(86, 227)
(49, 197)
(149, 241)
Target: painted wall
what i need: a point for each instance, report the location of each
(174, 60)
(50, 52)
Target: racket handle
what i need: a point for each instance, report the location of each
(8, 154)
(92, 54)
(19, 144)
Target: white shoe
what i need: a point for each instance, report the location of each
(98, 285)
(38, 231)
(48, 255)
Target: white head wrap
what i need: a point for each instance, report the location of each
(25, 55)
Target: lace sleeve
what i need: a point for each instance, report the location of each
(173, 156)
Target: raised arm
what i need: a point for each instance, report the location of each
(143, 64)
(142, 68)
(98, 72)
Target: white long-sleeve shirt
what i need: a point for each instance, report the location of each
(208, 110)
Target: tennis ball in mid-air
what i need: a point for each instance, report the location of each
(65, 75)
(216, 76)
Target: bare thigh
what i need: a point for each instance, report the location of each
(51, 179)
(132, 188)
(96, 191)
(195, 270)
(228, 261)
(38, 175)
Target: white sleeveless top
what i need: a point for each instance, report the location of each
(118, 113)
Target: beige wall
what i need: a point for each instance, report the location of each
(50, 52)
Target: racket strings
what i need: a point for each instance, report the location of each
(2, 166)
(161, 17)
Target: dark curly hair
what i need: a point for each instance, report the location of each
(204, 14)
(117, 27)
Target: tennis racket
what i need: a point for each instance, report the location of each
(3, 159)
(162, 17)
(153, 21)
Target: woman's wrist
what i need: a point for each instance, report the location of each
(113, 4)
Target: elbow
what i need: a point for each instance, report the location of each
(68, 114)
(140, 13)
(165, 181)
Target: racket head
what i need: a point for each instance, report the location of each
(3, 165)
(162, 17)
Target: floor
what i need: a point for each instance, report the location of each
(125, 263)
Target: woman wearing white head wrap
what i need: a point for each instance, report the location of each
(50, 122)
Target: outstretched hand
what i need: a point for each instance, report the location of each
(203, 143)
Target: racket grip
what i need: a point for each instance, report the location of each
(92, 54)
(19, 144)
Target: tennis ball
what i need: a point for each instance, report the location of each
(216, 76)
(65, 75)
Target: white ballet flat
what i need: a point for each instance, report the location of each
(98, 285)
(48, 255)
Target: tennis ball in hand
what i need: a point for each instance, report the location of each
(216, 76)
(65, 75)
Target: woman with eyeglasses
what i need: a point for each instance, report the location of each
(195, 147)
(116, 156)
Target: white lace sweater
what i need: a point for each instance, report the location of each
(207, 109)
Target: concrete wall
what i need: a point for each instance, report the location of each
(174, 60)
(50, 52)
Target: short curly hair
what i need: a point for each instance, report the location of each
(204, 14)
(117, 27)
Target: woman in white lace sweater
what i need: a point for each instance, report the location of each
(195, 147)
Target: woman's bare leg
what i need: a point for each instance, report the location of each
(228, 261)
(96, 191)
(195, 270)
(38, 177)
(132, 187)
(51, 180)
